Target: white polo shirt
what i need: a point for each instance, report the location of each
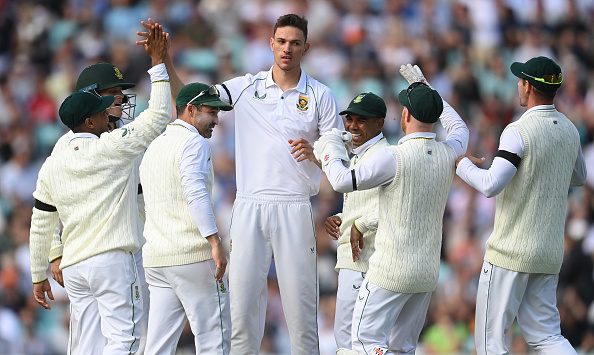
(265, 119)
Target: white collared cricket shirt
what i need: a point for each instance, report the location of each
(265, 119)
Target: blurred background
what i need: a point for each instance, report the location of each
(464, 47)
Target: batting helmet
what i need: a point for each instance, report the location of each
(102, 76)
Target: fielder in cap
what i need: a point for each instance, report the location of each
(414, 180)
(538, 159)
(364, 119)
(183, 257)
(90, 184)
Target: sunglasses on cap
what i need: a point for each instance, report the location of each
(211, 90)
(408, 90)
(548, 79)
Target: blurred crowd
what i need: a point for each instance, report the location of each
(464, 47)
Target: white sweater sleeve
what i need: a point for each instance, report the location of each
(492, 181)
(380, 169)
(133, 139)
(457, 131)
(195, 173)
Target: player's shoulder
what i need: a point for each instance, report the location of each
(316, 85)
(244, 81)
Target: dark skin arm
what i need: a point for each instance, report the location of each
(333, 227)
(356, 242)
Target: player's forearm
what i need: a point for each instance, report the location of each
(457, 131)
(488, 182)
(56, 247)
(134, 138)
(42, 227)
(175, 81)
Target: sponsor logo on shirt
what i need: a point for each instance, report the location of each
(302, 104)
(222, 286)
(137, 292)
(261, 98)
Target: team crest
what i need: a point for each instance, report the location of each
(118, 73)
(379, 351)
(137, 293)
(358, 99)
(222, 286)
(302, 104)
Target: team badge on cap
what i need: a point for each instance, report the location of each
(118, 73)
(358, 99)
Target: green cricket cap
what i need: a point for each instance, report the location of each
(201, 94)
(423, 103)
(541, 72)
(80, 105)
(367, 104)
(101, 76)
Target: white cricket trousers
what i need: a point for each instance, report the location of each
(283, 227)
(105, 294)
(188, 293)
(349, 284)
(382, 318)
(504, 295)
(73, 337)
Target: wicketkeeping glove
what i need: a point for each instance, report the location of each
(335, 144)
(413, 74)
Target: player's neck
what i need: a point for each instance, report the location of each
(286, 79)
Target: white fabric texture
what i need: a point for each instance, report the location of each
(111, 309)
(381, 317)
(188, 293)
(381, 168)
(362, 209)
(502, 296)
(492, 181)
(172, 236)
(530, 211)
(265, 116)
(92, 183)
(282, 226)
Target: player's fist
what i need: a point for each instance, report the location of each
(333, 227)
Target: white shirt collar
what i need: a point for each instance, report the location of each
(427, 135)
(301, 86)
(539, 108)
(360, 150)
(83, 135)
(185, 124)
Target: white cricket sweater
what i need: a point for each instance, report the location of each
(360, 208)
(172, 237)
(530, 211)
(91, 182)
(411, 207)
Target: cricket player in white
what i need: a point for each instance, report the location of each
(539, 158)
(103, 79)
(183, 256)
(100, 235)
(414, 180)
(277, 114)
(364, 119)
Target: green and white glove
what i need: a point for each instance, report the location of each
(335, 144)
(413, 74)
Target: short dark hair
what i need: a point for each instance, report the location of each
(181, 109)
(547, 96)
(292, 20)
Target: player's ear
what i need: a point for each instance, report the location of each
(306, 48)
(272, 44)
(89, 122)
